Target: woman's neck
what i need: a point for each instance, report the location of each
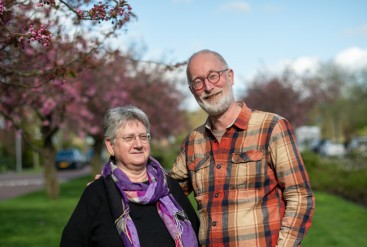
(136, 176)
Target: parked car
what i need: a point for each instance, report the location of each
(358, 145)
(328, 148)
(332, 149)
(70, 159)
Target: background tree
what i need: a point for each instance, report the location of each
(356, 109)
(328, 89)
(120, 79)
(281, 95)
(44, 106)
(43, 47)
(331, 97)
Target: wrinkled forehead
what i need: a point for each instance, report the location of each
(203, 63)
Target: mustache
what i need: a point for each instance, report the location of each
(208, 95)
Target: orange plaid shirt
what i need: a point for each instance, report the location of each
(252, 187)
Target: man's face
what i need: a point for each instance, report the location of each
(214, 98)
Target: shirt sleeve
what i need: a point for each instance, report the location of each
(180, 172)
(294, 182)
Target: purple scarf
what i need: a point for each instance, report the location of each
(156, 191)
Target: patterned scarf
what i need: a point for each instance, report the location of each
(156, 191)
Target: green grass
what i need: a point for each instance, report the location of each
(337, 223)
(34, 220)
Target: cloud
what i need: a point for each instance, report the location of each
(299, 65)
(238, 6)
(352, 58)
(357, 31)
(271, 8)
(305, 64)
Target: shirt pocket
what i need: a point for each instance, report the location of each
(248, 170)
(199, 169)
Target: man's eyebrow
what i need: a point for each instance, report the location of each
(210, 71)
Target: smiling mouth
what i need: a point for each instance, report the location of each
(138, 153)
(211, 97)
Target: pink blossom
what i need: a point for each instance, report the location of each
(42, 35)
(45, 123)
(1, 7)
(48, 106)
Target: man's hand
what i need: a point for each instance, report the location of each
(95, 178)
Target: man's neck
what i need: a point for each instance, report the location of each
(222, 121)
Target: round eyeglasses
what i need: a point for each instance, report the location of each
(144, 138)
(213, 77)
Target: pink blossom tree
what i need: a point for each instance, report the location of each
(44, 47)
(56, 73)
(118, 80)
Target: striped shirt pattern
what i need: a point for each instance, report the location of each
(252, 188)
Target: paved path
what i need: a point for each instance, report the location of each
(14, 184)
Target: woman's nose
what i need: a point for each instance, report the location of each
(137, 142)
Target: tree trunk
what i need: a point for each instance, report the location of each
(97, 162)
(51, 181)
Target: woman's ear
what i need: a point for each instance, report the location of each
(109, 146)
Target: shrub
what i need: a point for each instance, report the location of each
(330, 176)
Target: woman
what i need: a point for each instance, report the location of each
(134, 203)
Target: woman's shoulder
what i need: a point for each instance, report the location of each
(96, 184)
(172, 183)
(97, 188)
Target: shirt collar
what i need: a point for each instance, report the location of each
(241, 121)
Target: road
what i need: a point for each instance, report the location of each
(14, 184)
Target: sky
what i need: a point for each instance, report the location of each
(252, 35)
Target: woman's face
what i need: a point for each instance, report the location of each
(130, 154)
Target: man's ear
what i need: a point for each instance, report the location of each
(231, 76)
(191, 90)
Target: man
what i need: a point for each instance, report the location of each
(243, 165)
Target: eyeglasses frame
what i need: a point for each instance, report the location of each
(149, 137)
(220, 72)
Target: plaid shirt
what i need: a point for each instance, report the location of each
(252, 188)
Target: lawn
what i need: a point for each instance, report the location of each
(33, 220)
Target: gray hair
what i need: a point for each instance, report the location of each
(205, 51)
(117, 117)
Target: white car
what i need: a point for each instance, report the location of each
(332, 149)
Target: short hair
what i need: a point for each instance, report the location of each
(205, 51)
(117, 117)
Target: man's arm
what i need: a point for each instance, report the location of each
(293, 179)
(179, 172)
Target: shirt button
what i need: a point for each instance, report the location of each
(214, 223)
(216, 195)
(219, 166)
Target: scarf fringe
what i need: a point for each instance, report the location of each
(121, 225)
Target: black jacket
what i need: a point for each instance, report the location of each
(92, 222)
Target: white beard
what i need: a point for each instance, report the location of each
(216, 108)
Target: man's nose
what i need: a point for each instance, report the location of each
(208, 86)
